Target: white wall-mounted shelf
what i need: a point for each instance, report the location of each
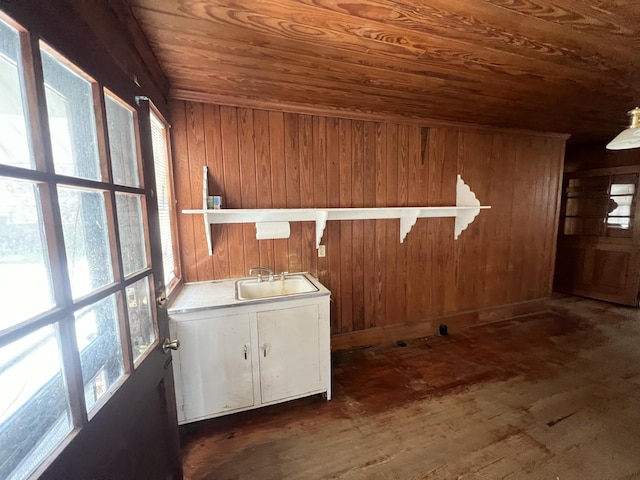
(465, 211)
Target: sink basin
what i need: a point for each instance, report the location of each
(251, 289)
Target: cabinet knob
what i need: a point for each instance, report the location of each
(264, 349)
(245, 352)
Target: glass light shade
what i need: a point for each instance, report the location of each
(630, 137)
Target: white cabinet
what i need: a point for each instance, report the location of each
(215, 363)
(243, 357)
(289, 352)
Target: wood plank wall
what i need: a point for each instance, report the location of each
(267, 159)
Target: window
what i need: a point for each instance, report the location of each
(14, 143)
(621, 197)
(600, 206)
(164, 186)
(76, 277)
(24, 263)
(72, 119)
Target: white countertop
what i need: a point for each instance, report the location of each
(222, 293)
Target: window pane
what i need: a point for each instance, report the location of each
(587, 206)
(25, 286)
(86, 239)
(621, 200)
(122, 143)
(141, 326)
(161, 165)
(98, 337)
(621, 222)
(622, 189)
(35, 415)
(588, 186)
(583, 226)
(71, 120)
(621, 211)
(14, 145)
(132, 238)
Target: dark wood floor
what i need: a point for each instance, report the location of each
(554, 395)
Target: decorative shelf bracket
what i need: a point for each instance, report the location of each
(321, 223)
(464, 212)
(465, 198)
(408, 219)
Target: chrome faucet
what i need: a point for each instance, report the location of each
(261, 269)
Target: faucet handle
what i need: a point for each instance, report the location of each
(261, 269)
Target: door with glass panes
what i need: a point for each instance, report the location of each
(598, 253)
(86, 388)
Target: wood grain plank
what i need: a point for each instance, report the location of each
(346, 227)
(380, 226)
(214, 160)
(455, 154)
(195, 138)
(387, 195)
(393, 236)
(418, 260)
(445, 256)
(248, 184)
(332, 230)
(500, 199)
(278, 184)
(373, 147)
(264, 189)
(520, 249)
(181, 160)
(320, 188)
(292, 163)
(357, 240)
(232, 193)
(435, 227)
(308, 234)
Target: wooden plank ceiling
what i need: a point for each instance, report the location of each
(567, 66)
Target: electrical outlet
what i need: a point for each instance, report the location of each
(322, 252)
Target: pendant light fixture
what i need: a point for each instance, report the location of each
(630, 137)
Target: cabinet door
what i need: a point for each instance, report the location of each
(289, 352)
(215, 365)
